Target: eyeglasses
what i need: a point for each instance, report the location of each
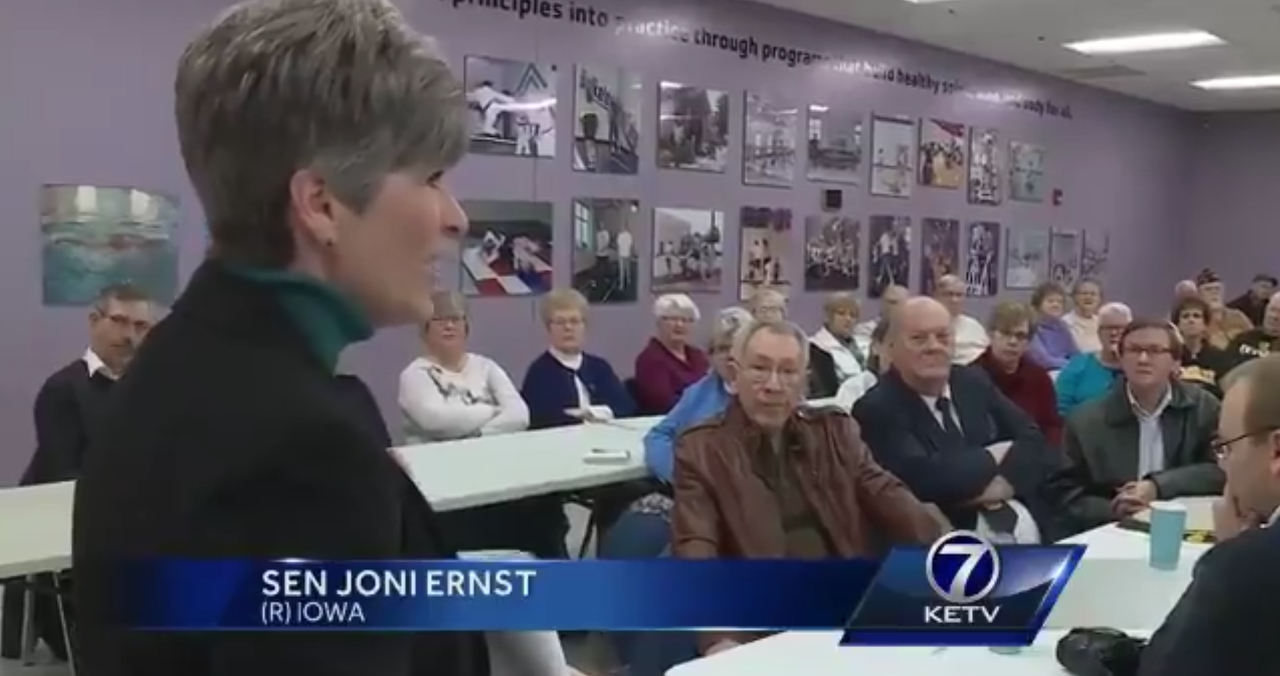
(1146, 350)
(760, 375)
(1221, 449)
(1018, 336)
(567, 322)
(675, 319)
(126, 322)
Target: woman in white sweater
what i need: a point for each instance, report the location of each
(449, 393)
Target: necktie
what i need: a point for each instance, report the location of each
(949, 425)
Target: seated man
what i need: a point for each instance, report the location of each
(1225, 622)
(1261, 341)
(1149, 438)
(969, 337)
(772, 479)
(954, 439)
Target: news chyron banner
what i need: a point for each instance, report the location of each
(961, 591)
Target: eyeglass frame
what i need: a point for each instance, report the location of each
(1222, 449)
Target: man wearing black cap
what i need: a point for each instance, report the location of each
(1253, 303)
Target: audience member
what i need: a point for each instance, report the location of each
(1091, 374)
(1185, 289)
(768, 305)
(953, 438)
(72, 400)
(1226, 622)
(1253, 303)
(566, 385)
(229, 437)
(669, 364)
(1024, 382)
(969, 338)
(770, 478)
(1148, 438)
(837, 368)
(1261, 341)
(1052, 344)
(704, 399)
(1224, 323)
(879, 362)
(890, 298)
(1086, 298)
(449, 393)
(1202, 363)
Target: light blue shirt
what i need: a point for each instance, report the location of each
(706, 398)
(1150, 436)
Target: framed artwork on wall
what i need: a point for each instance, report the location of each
(888, 254)
(981, 271)
(1064, 256)
(1026, 258)
(693, 128)
(764, 244)
(687, 250)
(939, 251)
(507, 248)
(769, 142)
(942, 153)
(606, 138)
(513, 106)
(1096, 254)
(1026, 172)
(95, 236)
(832, 253)
(892, 152)
(605, 259)
(833, 145)
(985, 173)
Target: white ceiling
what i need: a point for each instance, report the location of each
(1030, 34)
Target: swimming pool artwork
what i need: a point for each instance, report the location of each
(94, 236)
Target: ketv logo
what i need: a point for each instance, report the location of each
(963, 590)
(963, 569)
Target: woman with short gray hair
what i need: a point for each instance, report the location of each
(316, 134)
(668, 364)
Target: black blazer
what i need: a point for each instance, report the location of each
(906, 438)
(1225, 622)
(824, 382)
(230, 438)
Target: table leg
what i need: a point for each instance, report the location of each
(29, 637)
(60, 590)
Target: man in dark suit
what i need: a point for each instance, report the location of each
(230, 436)
(954, 439)
(1226, 621)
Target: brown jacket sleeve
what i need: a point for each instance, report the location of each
(891, 506)
(695, 518)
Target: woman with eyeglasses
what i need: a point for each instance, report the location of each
(669, 363)
(1090, 375)
(449, 393)
(1023, 381)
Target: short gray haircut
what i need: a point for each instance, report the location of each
(1116, 309)
(676, 305)
(782, 328)
(764, 297)
(345, 88)
(729, 322)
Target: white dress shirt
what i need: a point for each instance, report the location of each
(96, 365)
(970, 340)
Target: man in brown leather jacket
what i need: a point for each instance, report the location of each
(771, 478)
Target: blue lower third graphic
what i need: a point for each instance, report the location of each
(962, 591)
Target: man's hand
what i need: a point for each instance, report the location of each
(720, 647)
(1133, 497)
(1230, 518)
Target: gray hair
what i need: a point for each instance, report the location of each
(783, 328)
(345, 88)
(765, 297)
(729, 322)
(1116, 309)
(675, 305)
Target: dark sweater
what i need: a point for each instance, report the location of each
(1031, 388)
(549, 390)
(1207, 366)
(661, 377)
(67, 408)
(1252, 344)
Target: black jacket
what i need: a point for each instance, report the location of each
(230, 438)
(1225, 624)
(67, 408)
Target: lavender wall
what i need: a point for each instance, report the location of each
(1232, 225)
(87, 100)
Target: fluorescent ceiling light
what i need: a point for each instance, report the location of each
(926, 2)
(1241, 82)
(1155, 42)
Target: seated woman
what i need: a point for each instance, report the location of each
(565, 385)
(668, 364)
(837, 367)
(1024, 382)
(1090, 375)
(1086, 298)
(1202, 363)
(449, 393)
(1052, 344)
(703, 399)
(768, 305)
(878, 350)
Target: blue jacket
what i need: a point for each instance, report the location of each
(549, 390)
(1082, 379)
(1052, 346)
(704, 399)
